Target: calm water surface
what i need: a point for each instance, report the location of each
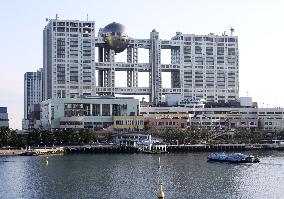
(136, 176)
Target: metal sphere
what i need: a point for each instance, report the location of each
(115, 37)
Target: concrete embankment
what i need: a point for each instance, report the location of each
(209, 148)
(8, 152)
(108, 148)
(171, 148)
(32, 151)
(101, 149)
(222, 147)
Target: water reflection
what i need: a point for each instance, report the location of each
(136, 176)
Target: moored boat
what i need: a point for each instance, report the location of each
(233, 158)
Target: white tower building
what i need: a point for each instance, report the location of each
(209, 66)
(68, 58)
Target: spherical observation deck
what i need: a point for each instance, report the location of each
(115, 37)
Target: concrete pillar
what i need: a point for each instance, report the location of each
(129, 54)
(135, 61)
(110, 109)
(106, 55)
(135, 54)
(135, 76)
(155, 63)
(106, 78)
(101, 109)
(129, 78)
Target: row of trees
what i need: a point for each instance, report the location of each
(199, 135)
(9, 137)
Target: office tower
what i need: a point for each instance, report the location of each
(33, 83)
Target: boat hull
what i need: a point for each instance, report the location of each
(232, 158)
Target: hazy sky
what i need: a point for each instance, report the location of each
(258, 24)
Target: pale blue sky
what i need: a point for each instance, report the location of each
(259, 25)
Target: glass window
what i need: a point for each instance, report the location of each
(106, 110)
(96, 109)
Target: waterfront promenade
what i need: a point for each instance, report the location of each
(4, 152)
(31, 151)
(111, 148)
(107, 148)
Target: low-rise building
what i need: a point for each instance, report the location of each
(4, 120)
(128, 123)
(33, 118)
(267, 119)
(163, 121)
(91, 112)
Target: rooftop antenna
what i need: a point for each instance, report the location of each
(87, 17)
(232, 31)
(56, 17)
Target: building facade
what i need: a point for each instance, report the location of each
(209, 67)
(128, 123)
(266, 119)
(68, 58)
(202, 67)
(33, 94)
(4, 120)
(93, 113)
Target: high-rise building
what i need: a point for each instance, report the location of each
(33, 94)
(4, 120)
(202, 66)
(209, 66)
(68, 58)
